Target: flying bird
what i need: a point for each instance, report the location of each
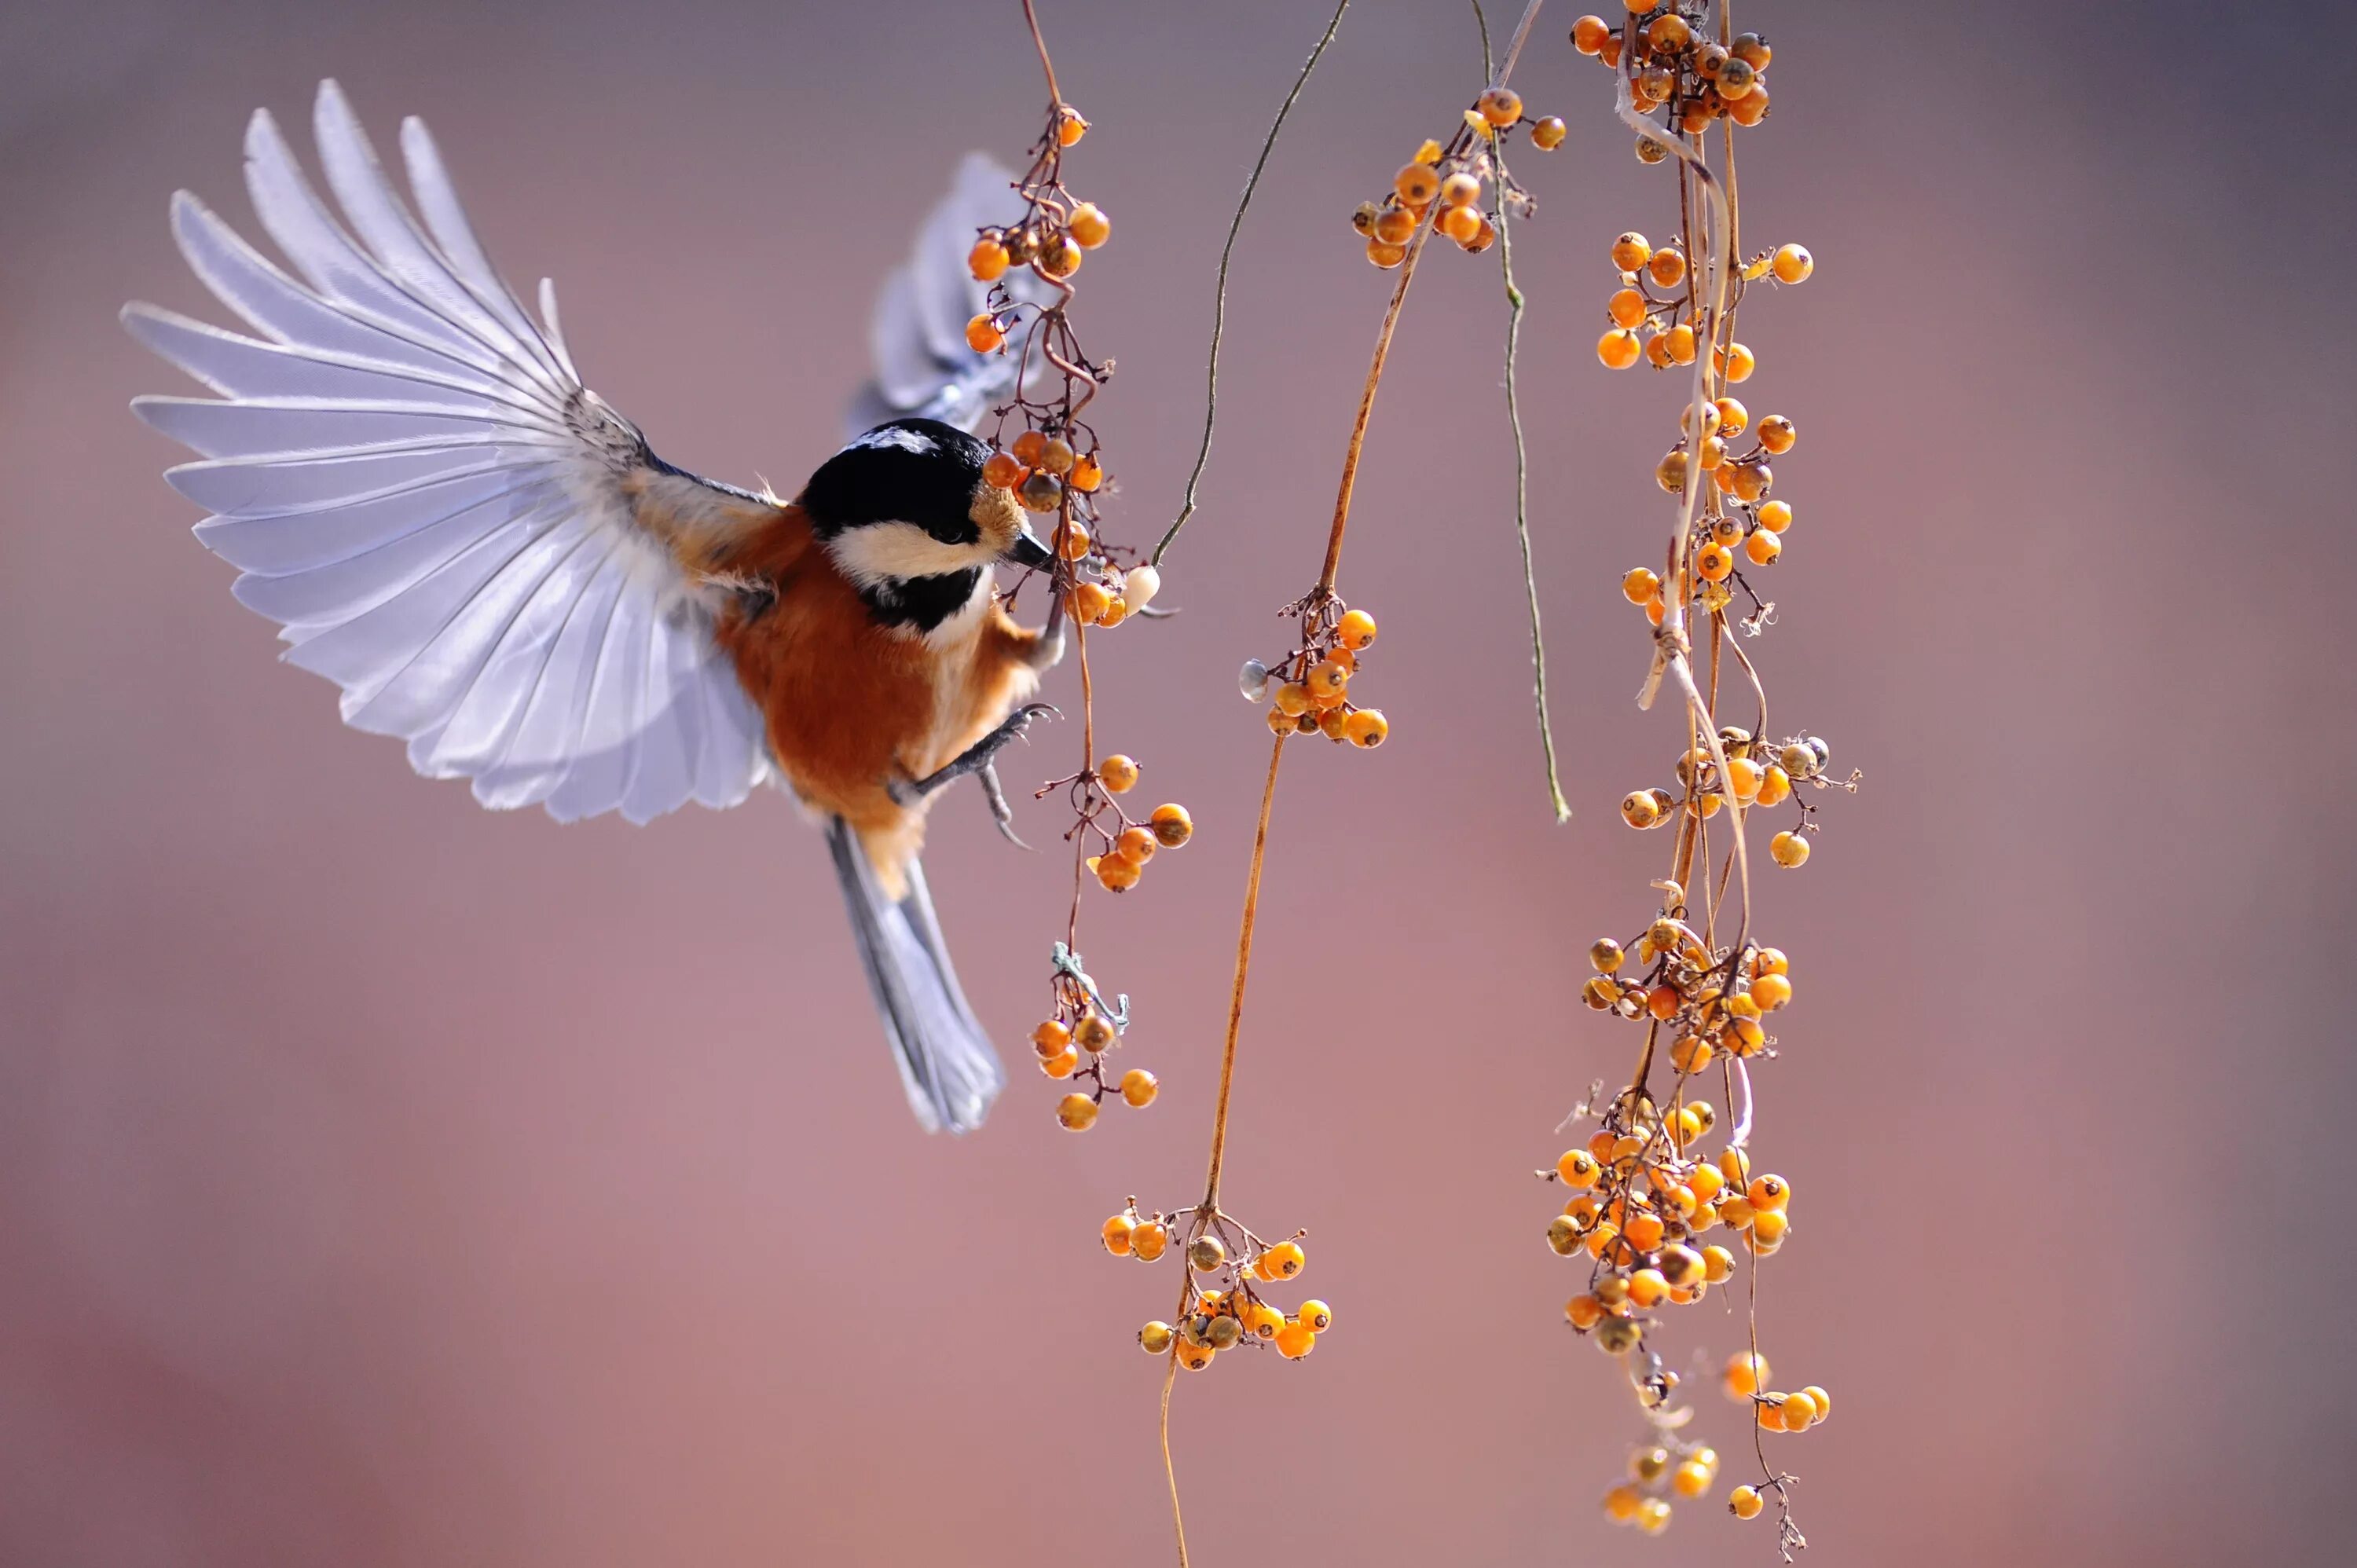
(493, 564)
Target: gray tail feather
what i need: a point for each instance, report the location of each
(946, 1062)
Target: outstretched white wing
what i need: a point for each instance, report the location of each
(448, 525)
(923, 365)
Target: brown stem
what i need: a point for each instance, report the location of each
(1244, 967)
(1367, 408)
(1054, 96)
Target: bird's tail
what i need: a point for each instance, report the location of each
(946, 1062)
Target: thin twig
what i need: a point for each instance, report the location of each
(1220, 295)
(1521, 502)
(1054, 96)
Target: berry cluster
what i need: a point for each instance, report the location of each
(1054, 465)
(1757, 773)
(1447, 185)
(1692, 79)
(1666, 1465)
(1314, 698)
(1221, 1306)
(1647, 1198)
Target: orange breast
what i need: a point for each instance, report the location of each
(851, 704)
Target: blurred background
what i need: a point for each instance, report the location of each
(386, 1182)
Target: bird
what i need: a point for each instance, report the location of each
(413, 481)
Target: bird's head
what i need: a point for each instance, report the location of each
(904, 513)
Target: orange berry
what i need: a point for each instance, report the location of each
(1717, 1265)
(983, 336)
(1777, 787)
(1743, 776)
(1629, 309)
(1138, 843)
(988, 261)
(1328, 682)
(1117, 872)
(1089, 226)
(1138, 1088)
(1690, 1054)
(1069, 126)
(1769, 1227)
(1645, 1230)
(1668, 35)
(1462, 224)
(1667, 266)
(1752, 107)
(1148, 1240)
(1117, 773)
(1587, 34)
(1416, 184)
(1630, 251)
(1547, 134)
(1028, 447)
(1500, 105)
(1078, 1112)
(1316, 1315)
(1578, 1168)
(1058, 258)
(1088, 602)
(1154, 1337)
(1291, 699)
(1116, 1234)
(1763, 547)
(1769, 1193)
(1087, 474)
(1647, 1286)
(1617, 348)
(1657, 351)
(1800, 1413)
(1792, 264)
(1732, 417)
(1584, 1311)
(1385, 256)
(1789, 849)
(1821, 1400)
(1356, 629)
(1295, 1340)
(1367, 728)
(1713, 563)
(1777, 433)
(1194, 1357)
(1394, 225)
(1171, 824)
(1679, 342)
(1744, 1375)
(1284, 1261)
(1002, 470)
(1459, 189)
(1094, 1034)
(1775, 516)
(1281, 723)
(1734, 361)
(1745, 1502)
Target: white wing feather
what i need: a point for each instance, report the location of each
(418, 489)
(916, 335)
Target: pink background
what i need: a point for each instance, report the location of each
(385, 1182)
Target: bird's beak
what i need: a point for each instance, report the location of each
(1028, 553)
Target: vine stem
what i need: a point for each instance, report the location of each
(1366, 410)
(1523, 513)
(1220, 294)
(1055, 96)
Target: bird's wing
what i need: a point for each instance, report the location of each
(923, 365)
(416, 485)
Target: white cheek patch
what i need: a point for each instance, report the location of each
(880, 551)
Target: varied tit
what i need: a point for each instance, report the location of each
(493, 566)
